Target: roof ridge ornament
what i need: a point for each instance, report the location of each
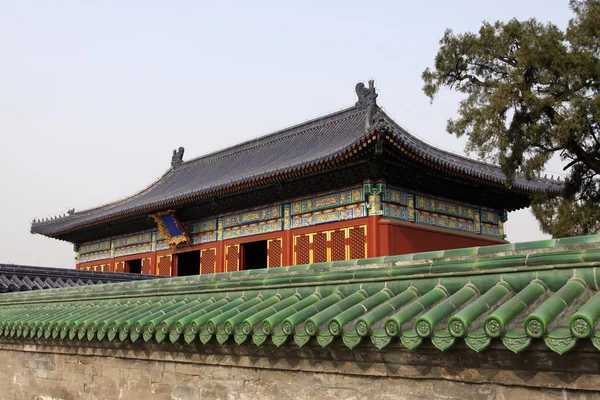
(367, 98)
(177, 158)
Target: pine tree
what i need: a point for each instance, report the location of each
(532, 91)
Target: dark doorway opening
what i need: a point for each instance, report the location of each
(134, 266)
(254, 255)
(188, 263)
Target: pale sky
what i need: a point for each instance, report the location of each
(95, 95)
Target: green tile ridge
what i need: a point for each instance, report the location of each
(538, 253)
(512, 297)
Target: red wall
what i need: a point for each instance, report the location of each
(406, 238)
(383, 237)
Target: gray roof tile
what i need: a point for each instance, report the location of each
(295, 148)
(15, 278)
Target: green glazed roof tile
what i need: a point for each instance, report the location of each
(577, 240)
(498, 248)
(511, 294)
(428, 255)
(540, 244)
(467, 251)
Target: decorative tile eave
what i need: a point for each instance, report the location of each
(451, 170)
(512, 295)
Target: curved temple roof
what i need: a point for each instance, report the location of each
(515, 294)
(320, 142)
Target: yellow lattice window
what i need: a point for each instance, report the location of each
(358, 242)
(165, 265)
(145, 266)
(338, 245)
(232, 258)
(335, 245)
(120, 266)
(208, 261)
(320, 249)
(302, 250)
(274, 253)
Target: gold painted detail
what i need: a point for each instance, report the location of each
(327, 201)
(287, 220)
(375, 193)
(202, 226)
(173, 241)
(137, 249)
(254, 216)
(94, 256)
(253, 229)
(442, 213)
(330, 215)
(206, 237)
(94, 247)
(132, 240)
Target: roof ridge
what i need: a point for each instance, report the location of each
(277, 135)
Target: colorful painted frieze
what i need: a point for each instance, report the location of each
(251, 217)
(287, 218)
(94, 247)
(477, 222)
(398, 212)
(322, 217)
(205, 238)
(102, 255)
(132, 240)
(492, 230)
(331, 200)
(395, 196)
(257, 229)
(490, 217)
(443, 221)
(444, 207)
(137, 249)
(202, 226)
(162, 245)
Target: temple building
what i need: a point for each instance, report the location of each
(349, 185)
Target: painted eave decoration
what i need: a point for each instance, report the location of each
(317, 145)
(169, 226)
(513, 294)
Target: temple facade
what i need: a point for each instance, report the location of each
(349, 185)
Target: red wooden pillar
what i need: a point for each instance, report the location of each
(373, 238)
(287, 245)
(153, 266)
(287, 248)
(220, 256)
(220, 267)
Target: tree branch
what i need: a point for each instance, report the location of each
(569, 165)
(587, 159)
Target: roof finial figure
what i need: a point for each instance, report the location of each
(366, 96)
(177, 158)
